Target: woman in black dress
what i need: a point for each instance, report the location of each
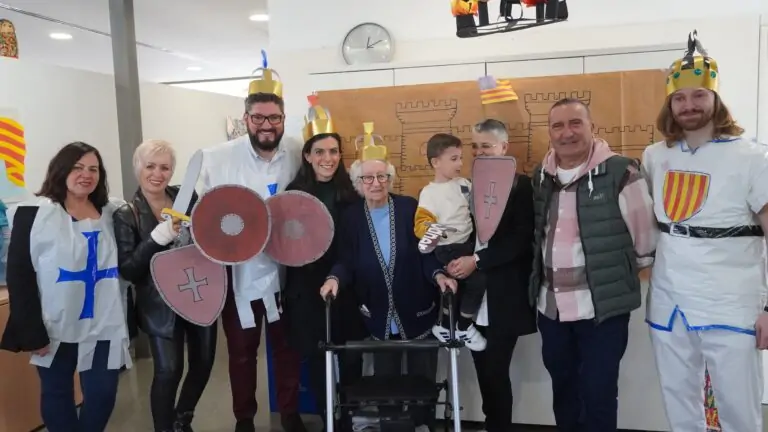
(322, 174)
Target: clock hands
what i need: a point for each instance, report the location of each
(369, 45)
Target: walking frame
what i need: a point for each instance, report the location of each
(389, 391)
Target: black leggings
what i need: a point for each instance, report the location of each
(168, 357)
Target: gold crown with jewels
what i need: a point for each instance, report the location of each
(317, 121)
(267, 80)
(693, 71)
(370, 150)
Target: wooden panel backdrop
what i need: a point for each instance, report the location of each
(624, 107)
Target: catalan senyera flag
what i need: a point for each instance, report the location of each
(13, 150)
(684, 194)
(495, 91)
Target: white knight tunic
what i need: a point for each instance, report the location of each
(235, 162)
(83, 300)
(708, 284)
(712, 282)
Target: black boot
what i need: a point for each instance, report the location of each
(183, 422)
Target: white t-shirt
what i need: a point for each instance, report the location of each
(567, 175)
(448, 204)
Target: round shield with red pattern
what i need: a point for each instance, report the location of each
(302, 228)
(230, 224)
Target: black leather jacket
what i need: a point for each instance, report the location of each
(135, 249)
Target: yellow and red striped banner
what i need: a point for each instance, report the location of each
(495, 91)
(13, 150)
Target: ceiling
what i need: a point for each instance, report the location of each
(213, 35)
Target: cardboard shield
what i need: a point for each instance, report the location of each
(492, 180)
(190, 284)
(302, 228)
(233, 224)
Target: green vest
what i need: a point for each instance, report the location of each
(609, 253)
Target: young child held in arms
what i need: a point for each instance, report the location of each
(445, 201)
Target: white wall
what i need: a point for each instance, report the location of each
(189, 119)
(626, 38)
(58, 105)
(734, 41)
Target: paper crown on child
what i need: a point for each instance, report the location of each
(693, 71)
(317, 121)
(367, 147)
(267, 80)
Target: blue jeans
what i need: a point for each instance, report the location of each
(99, 386)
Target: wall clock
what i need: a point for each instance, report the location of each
(367, 43)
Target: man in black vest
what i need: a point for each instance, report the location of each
(594, 229)
(506, 263)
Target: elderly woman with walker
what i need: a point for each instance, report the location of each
(398, 293)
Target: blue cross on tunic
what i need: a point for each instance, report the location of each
(90, 275)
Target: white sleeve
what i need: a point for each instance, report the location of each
(204, 179)
(426, 200)
(646, 166)
(757, 197)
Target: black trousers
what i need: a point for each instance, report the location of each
(583, 361)
(418, 363)
(472, 288)
(492, 368)
(168, 358)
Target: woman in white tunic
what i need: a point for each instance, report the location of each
(68, 307)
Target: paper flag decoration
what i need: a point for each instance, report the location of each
(13, 150)
(493, 91)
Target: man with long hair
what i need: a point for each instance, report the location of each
(708, 285)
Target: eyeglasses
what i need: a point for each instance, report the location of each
(274, 119)
(381, 178)
(484, 146)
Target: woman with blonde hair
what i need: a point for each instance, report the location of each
(141, 232)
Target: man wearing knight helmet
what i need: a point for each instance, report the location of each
(265, 162)
(708, 285)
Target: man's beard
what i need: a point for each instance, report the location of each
(694, 123)
(265, 145)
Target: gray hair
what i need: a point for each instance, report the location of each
(356, 171)
(494, 127)
(149, 148)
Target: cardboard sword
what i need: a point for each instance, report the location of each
(187, 189)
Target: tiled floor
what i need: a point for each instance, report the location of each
(215, 409)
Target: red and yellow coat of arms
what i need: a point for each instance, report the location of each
(684, 194)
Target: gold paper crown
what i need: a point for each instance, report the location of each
(370, 150)
(267, 80)
(693, 71)
(317, 121)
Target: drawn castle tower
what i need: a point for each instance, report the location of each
(538, 106)
(420, 120)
